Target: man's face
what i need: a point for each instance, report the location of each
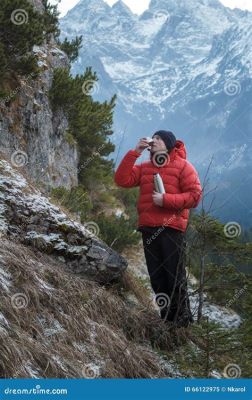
(158, 144)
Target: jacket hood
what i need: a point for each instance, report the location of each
(179, 150)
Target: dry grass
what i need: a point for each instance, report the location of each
(72, 327)
(130, 283)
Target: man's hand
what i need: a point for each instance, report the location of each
(142, 144)
(157, 198)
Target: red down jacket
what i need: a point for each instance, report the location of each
(181, 182)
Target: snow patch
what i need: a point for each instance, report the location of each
(44, 286)
(33, 372)
(50, 327)
(4, 325)
(5, 277)
(227, 318)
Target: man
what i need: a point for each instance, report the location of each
(163, 217)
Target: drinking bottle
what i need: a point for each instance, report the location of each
(158, 183)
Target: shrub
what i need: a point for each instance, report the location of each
(75, 200)
(116, 231)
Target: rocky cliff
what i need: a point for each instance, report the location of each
(31, 134)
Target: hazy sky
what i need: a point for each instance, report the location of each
(138, 6)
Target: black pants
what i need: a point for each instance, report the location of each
(165, 259)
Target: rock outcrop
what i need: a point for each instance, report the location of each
(30, 218)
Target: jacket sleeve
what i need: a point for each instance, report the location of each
(191, 191)
(127, 174)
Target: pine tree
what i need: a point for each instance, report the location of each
(71, 48)
(50, 20)
(22, 27)
(89, 122)
(215, 253)
(19, 30)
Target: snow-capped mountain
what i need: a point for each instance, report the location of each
(183, 65)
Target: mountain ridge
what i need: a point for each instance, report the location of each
(178, 66)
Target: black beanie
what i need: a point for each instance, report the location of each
(168, 138)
